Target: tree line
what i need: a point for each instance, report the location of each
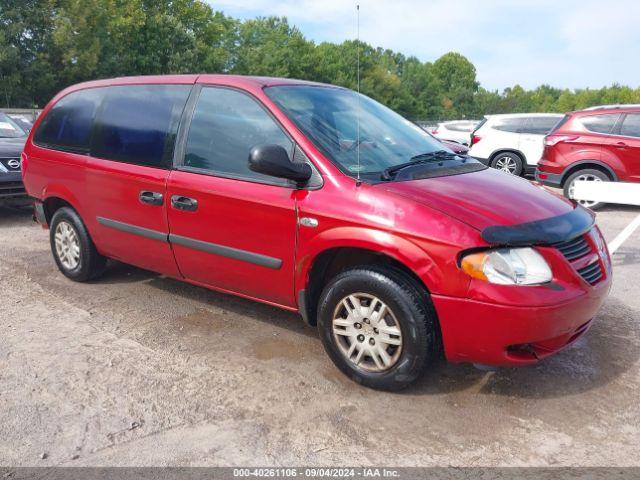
(46, 45)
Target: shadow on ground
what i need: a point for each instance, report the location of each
(606, 351)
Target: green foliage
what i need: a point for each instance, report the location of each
(46, 45)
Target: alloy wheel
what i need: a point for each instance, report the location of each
(67, 245)
(507, 164)
(367, 332)
(587, 178)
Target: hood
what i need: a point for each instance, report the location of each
(483, 199)
(12, 147)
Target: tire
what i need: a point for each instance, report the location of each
(508, 162)
(589, 175)
(72, 247)
(409, 319)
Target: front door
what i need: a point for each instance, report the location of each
(231, 228)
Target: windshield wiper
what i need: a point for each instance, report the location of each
(427, 157)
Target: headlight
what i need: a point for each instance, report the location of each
(508, 266)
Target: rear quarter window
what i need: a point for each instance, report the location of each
(138, 124)
(540, 125)
(600, 123)
(67, 126)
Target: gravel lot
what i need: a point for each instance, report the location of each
(137, 369)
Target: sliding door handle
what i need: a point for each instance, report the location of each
(151, 198)
(184, 203)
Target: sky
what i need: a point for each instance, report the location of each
(563, 43)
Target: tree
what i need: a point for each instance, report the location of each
(46, 45)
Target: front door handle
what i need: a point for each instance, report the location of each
(621, 145)
(184, 203)
(151, 198)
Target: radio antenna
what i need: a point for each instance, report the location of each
(358, 89)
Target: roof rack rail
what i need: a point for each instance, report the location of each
(616, 105)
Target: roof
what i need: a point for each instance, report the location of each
(610, 108)
(520, 115)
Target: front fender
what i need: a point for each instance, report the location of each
(407, 253)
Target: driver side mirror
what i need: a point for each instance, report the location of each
(274, 160)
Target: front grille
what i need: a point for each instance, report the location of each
(574, 249)
(12, 189)
(12, 164)
(577, 248)
(591, 273)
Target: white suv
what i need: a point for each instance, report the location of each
(512, 143)
(455, 131)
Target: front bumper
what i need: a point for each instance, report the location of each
(506, 335)
(12, 189)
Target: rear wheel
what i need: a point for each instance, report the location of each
(377, 327)
(508, 162)
(589, 175)
(72, 247)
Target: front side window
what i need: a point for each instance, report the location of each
(600, 123)
(631, 125)
(226, 125)
(68, 124)
(334, 118)
(138, 124)
(9, 128)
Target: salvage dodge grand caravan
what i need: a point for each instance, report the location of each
(315, 199)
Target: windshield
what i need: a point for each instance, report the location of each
(9, 128)
(329, 118)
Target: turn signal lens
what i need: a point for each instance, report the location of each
(473, 265)
(508, 266)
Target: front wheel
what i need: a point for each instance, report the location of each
(588, 175)
(377, 327)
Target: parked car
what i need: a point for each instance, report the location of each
(22, 121)
(12, 139)
(267, 189)
(512, 143)
(455, 147)
(456, 130)
(599, 144)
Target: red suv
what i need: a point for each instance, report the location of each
(314, 199)
(596, 144)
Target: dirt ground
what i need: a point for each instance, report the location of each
(137, 369)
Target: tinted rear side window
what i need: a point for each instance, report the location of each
(513, 125)
(600, 123)
(138, 123)
(540, 125)
(68, 124)
(631, 125)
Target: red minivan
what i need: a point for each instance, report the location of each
(315, 199)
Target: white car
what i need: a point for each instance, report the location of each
(512, 143)
(455, 131)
